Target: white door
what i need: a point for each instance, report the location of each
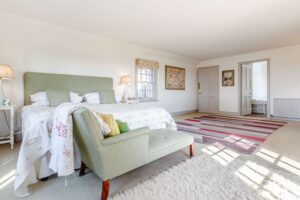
(246, 89)
(208, 89)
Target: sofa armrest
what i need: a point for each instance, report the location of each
(125, 136)
(124, 152)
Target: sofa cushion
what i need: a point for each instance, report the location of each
(111, 122)
(123, 126)
(164, 141)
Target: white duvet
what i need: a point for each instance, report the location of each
(37, 125)
(138, 115)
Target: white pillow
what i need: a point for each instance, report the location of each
(75, 97)
(39, 99)
(93, 98)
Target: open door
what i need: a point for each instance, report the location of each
(246, 89)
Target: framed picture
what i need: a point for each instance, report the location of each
(228, 78)
(175, 78)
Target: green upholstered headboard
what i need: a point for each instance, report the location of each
(37, 82)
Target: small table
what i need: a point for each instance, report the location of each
(10, 137)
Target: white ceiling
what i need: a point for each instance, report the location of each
(200, 29)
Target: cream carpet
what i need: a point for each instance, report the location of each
(78, 188)
(221, 176)
(283, 158)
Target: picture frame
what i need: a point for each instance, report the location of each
(174, 78)
(228, 78)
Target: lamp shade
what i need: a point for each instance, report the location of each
(125, 80)
(6, 72)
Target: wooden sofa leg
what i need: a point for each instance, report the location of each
(82, 169)
(191, 150)
(44, 179)
(105, 190)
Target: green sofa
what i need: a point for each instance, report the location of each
(114, 156)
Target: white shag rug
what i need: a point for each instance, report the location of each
(203, 177)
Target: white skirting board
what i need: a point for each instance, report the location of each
(288, 108)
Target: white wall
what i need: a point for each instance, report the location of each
(284, 74)
(30, 45)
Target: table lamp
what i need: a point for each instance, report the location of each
(125, 81)
(6, 73)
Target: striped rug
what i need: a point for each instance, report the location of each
(241, 134)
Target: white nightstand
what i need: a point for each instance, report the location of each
(10, 137)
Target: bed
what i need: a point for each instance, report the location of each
(33, 161)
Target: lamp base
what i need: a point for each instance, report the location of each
(125, 94)
(2, 97)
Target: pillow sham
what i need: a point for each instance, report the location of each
(93, 98)
(75, 97)
(39, 99)
(57, 97)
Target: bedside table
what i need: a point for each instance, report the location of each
(10, 137)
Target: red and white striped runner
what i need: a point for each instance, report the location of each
(241, 134)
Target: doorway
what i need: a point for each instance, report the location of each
(208, 89)
(254, 88)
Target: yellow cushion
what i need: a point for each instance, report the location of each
(111, 122)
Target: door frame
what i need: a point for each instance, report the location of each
(268, 60)
(207, 67)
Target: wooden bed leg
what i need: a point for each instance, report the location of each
(82, 169)
(191, 150)
(105, 190)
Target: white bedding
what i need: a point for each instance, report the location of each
(138, 115)
(37, 126)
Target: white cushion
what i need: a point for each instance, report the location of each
(39, 99)
(92, 98)
(75, 97)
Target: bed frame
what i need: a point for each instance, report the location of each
(37, 82)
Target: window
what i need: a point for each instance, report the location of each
(146, 83)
